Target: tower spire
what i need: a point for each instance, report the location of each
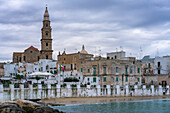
(46, 14)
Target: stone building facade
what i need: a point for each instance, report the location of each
(113, 72)
(108, 71)
(2, 69)
(32, 54)
(73, 62)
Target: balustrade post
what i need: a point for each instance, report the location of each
(160, 90)
(144, 89)
(98, 90)
(167, 93)
(108, 90)
(136, 90)
(127, 90)
(1, 88)
(152, 89)
(118, 90)
(58, 90)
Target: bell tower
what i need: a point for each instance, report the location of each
(46, 41)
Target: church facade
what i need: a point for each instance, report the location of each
(32, 54)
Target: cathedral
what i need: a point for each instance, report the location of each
(32, 54)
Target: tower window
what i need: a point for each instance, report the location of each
(46, 44)
(46, 56)
(24, 58)
(46, 25)
(46, 34)
(30, 51)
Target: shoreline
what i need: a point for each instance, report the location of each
(95, 100)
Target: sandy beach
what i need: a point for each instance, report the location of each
(92, 100)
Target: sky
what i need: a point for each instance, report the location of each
(139, 27)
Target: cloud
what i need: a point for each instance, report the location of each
(99, 24)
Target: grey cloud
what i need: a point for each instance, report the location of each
(104, 24)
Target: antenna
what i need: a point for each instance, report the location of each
(116, 49)
(140, 53)
(95, 52)
(100, 51)
(121, 48)
(157, 53)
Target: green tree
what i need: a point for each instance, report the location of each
(37, 78)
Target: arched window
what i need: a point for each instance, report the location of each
(46, 34)
(24, 58)
(46, 44)
(115, 57)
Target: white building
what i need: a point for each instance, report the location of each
(47, 65)
(162, 65)
(10, 69)
(116, 55)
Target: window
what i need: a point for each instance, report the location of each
(74, 66)
(24, 58)
(108, 57)
(138, 79)
(159, 64)
(117, 79)
(46, 44)
(131, 70)
(138, 70)
(88, 79)
(149, 65)
(81, 69)
(64, 58)
(94, 70)
(126, 79)
(104, 79)
(38, 58)
(30, 51)
(46, 34)
(71, 66)
(46, 56)
(104, 70)
(46, 25)
(126, 68)
(117, 69)
(115, 57)
(159, 71)
(88, 70)
(94, 79)
(47, 67)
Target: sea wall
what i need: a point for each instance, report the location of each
(49, 91)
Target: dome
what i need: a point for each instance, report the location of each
(83, 50)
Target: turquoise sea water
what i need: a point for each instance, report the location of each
(148, 106)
